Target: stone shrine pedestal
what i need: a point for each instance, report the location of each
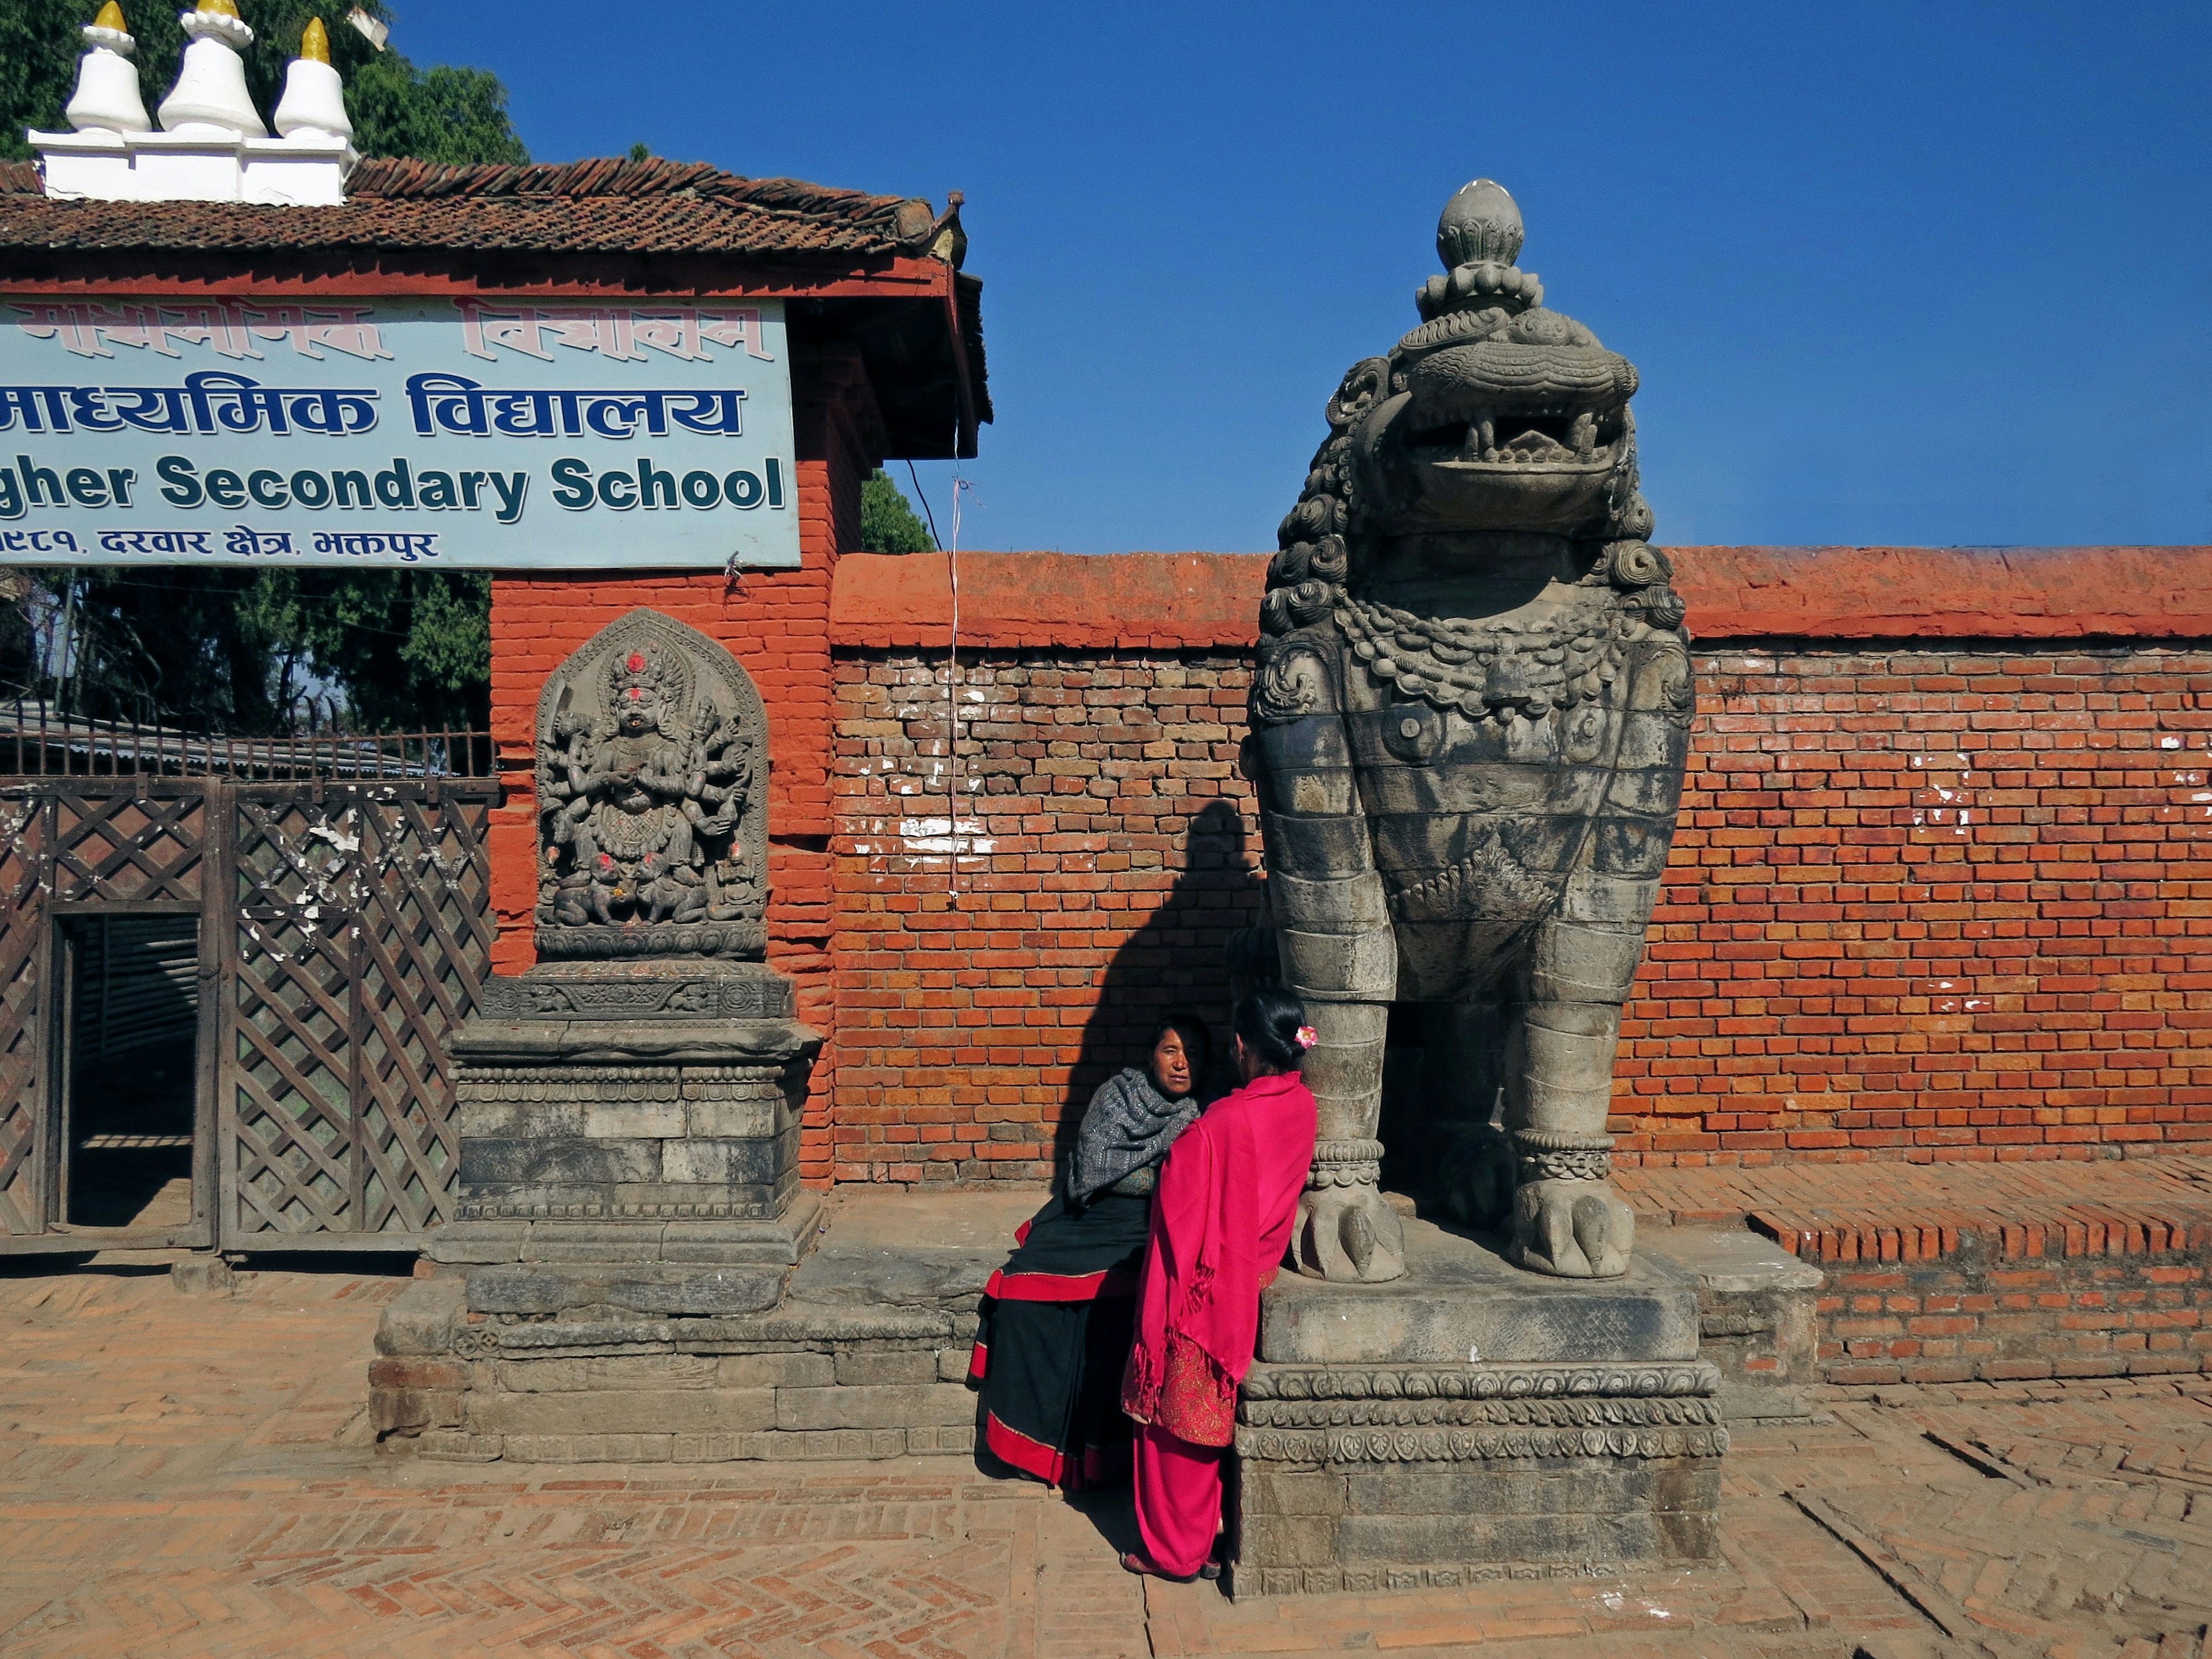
(629, 1141)
(1471, 1421)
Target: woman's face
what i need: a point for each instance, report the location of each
(1171, 1065)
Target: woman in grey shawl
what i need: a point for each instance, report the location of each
(1056, 1319)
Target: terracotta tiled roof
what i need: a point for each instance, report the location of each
(597, 206)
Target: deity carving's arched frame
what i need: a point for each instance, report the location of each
(652, 842)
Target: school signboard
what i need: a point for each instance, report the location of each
(452, 432)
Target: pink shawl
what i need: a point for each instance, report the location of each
(1221, 1219)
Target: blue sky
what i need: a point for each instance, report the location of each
(1933, 274)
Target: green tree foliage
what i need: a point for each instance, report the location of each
(888, 523)
(439, 114)
(235, 649)
(248, 651)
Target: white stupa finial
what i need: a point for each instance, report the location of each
(210, 90)
(107, 95)
(314, 99)
(212, 147)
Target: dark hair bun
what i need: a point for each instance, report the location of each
(1268, 1019)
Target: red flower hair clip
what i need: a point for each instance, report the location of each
(1307, 1037)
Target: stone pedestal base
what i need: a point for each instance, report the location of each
(1472, 1421)
(865, 1356)
(629, 1141)
(658, 1269)
(1756, 1311)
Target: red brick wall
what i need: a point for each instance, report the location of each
(1105, 856)
(1976, 1313)
(1950, 903)
(1947, 901)
(777, 624)
(1934, 903)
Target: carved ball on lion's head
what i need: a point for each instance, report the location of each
(1365, 384)
(1309, 602)
(1330, 560)
(1481, 223)
(1664, 607)
(1637, 564)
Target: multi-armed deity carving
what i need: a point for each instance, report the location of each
(1469, 727)
(651, 774)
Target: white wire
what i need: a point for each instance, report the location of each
(952, 692)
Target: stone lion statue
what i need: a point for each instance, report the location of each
(1469, 723)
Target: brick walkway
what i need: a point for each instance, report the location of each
(192, 1477)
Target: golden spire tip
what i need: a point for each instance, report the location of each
(315, 43)
(111, 17)
(222, 7)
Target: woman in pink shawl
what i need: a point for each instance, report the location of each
(1221, 1220)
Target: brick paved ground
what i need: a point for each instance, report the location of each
(192, 1477)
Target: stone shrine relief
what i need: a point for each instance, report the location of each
(1469, 725)
(651, 798)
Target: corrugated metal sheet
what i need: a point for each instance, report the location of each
(137, 985)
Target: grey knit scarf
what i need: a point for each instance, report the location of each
(1130, 1125)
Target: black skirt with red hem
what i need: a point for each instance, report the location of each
(1057, 1320)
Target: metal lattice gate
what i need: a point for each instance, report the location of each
(344, 930)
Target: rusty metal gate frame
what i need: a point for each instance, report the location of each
(399, 921)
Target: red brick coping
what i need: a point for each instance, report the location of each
(1894, 1211)
(1194, 600)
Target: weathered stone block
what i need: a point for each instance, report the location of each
(456, 1445)
(749, 1120)
(865, 1367)
(1460, 1302)
(202, 1275)
(1756, 1312)
(702, 1294)
(1288, 1541)
(611, 1242)
(499, 1119)
(707, 1448)
(418, 1371)
(468, 1243)
(420, 1320)
(1426, 1539)
(537, 1375)
(723, 1252)
(660, 1120)
(394, 1410)
(952, 1364)
(722, 1161)
(650, 1371)
(497, 1290)
(927, 1405)
(623, 1411)
(826, 1445)
(1270, 1490)
(488, 1165)
(776, 1370)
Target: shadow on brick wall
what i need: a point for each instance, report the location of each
(1179, 957)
